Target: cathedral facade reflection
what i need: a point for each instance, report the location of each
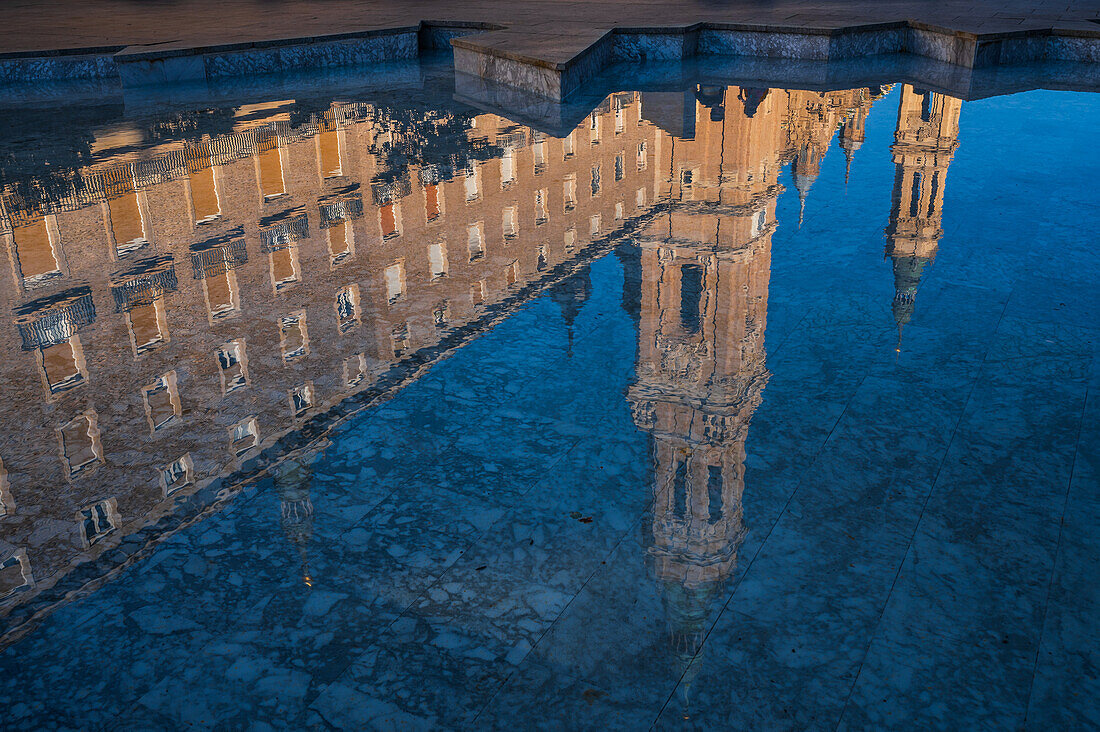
(701, 268)
(179, 305)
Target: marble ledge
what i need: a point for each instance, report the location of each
(562, 71)
(137, 66)
(550, 65)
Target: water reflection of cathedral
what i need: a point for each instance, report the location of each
(178, 308)
(702, 269)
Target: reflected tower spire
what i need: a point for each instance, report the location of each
(700, 369)
(853, 134)
(924, 143)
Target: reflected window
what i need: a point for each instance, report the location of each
(567, 145)
(341, 243)
(433, 202)
(400, 338)
(437, 260)
(620, 166)
(570, 239)
(395, 282)
(510, 222)
(508, 168)
(355, 370)
(127, 223)
(511, 273)
(477, 292)
(643, 155)
(714, 492)
(619, 121)
(177, 474)
(475, 242)
(15, 574)
(330, 151)
(759, 220)
(540, 257)
(222, 297)
(244, 436)
(595, 180)
(390, 215)
(162, 401)
(541, 211)
(441, 314)
(233, 365)
(619, 211)
(680, 491)
(293, 336)
(37, 252)
(7, 503)
(639, 198)
(269, 162)
(97, 521)
(594, 128)
(63, 365)
(348, 311)
(569, 189)
(473, 183)
(205, 199)
(80, 446)
(301, 399)
(284, 268)
(594, 225)
(691, 293)
(148, 326)
(914, 196)
(538, 152)
(687, 184)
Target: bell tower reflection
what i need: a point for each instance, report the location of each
(704, 269)
(924, 143)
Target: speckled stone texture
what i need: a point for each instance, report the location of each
(53, 68)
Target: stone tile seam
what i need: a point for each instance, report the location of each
(1057, 553)
(916, 525)
(760, 547)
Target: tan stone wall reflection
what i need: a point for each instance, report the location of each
(187, 304)
(179, 306)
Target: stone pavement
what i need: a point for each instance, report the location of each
(67, 24)
(548, 48)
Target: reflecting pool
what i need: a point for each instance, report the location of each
(712, 407)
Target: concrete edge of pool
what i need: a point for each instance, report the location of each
(555, 66)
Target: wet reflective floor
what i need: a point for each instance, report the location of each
(721, 407)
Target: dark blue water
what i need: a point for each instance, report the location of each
(739, 458)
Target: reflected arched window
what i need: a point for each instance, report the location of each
(691, 293)
(926, 107)
(914, 196)
(714, 492)
(679, 490)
